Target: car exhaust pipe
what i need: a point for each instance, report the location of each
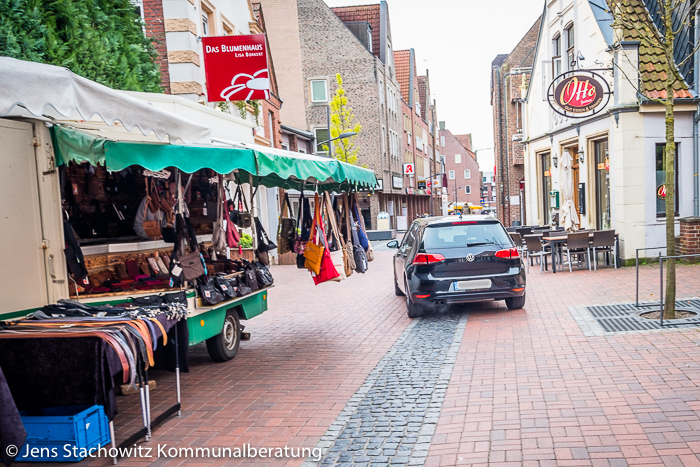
(440, 302)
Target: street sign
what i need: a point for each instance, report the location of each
(409, 169)
(422, 184)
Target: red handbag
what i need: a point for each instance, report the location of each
(328, 271)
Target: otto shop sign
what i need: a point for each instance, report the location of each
(578, 94)
(236, 68)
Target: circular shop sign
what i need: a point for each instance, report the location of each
(661, 191)
(579, 94)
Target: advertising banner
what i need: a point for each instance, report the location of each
(236, 68)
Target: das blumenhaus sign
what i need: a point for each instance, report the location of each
(578, 94)
(236, 68)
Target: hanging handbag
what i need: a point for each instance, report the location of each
(242, 219)
(313, 253)
(209, 293)
(337, 256)
(263, 257)
(264, 242)
(327, 271)
(249, 278)
(349, 255)
(302, 232)
(218, 238)
(152, 228)
(364, 241)
(358, 252)
(287, 228)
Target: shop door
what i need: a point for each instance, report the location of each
(602, 170)
(575, 176)
(546, 184)
(23, 281)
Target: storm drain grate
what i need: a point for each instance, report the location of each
(625, 317)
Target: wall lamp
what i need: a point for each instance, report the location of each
(581, 155)
(555, 160)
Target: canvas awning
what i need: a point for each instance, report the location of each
(269, 167)
(36, 88)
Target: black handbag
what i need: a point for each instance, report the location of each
(361, 264)
(175, 297)
(305, 222)
(148, 300)
(264, 242)
(224, 286)
(250, 278)
(241, 218)
(244, 290)
(263, 275)
(209, 293)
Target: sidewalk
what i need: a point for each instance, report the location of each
(522, 387)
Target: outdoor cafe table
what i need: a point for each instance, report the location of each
(558, 240)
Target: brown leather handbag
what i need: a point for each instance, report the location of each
(152, 228)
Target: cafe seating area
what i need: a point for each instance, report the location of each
(583, 249)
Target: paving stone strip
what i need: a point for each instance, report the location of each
(391, 418)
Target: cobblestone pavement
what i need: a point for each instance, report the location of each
(392, 417)
(523, 388)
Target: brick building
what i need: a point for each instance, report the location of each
(461, 169)
(316, 43)
(510, 76)
(415, 143)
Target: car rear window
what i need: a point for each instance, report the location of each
(465, 235)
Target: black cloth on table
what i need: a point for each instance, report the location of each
(12, 431)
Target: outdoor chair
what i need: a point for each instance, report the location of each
(524, 230)
(578, 244)
(535, 249)
(604, 242)
(518, 241)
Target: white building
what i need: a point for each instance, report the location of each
(616, 152)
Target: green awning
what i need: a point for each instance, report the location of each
(271, 168)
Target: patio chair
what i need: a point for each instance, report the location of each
(524, 230)
(578, 244)
(518, 241)
(604, 242)
(535, 249)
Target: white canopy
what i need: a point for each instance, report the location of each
(36, 86)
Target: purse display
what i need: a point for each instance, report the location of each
(219, 234)
(364, 241)
(263, 275)
(337, 256)
(152, 228)
(242, 219)
(318, 256)
(302, 233)
(264, 242)
(359, 254)
(287, 228)
(224, 286)
(209, 293)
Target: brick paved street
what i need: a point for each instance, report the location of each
(336, 364)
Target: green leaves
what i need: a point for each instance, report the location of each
(102, 40)
(342, 118)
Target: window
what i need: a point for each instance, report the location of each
(458, 158)
(383, 139)
(302, 150)
(138, 4)
(418, 109)
(661, 179)
(459, 236)
(570, 44)
(208, 28)
(556, 56)
(228, 28)
(452, 174)
(270, 127)
(285, 145)
(321, 135)
(205, 23)
(319, 90)
(468, 190)
(468, 174)
(409, 138)
(442, 141)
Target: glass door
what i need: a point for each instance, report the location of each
(602, 170)
(546, 184)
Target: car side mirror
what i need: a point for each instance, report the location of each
(393, 244)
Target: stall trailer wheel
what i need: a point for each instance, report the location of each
(224, 347)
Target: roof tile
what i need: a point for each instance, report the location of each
(402, 64)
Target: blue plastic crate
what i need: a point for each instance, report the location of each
(63, 434)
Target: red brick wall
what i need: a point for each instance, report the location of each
(155, 30)
(690, 237)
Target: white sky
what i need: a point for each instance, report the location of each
(457, 40)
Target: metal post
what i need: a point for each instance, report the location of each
(328, 126)
(177, 370)
(661, 290)
(148, 402)
(114, 441)
(636, 262)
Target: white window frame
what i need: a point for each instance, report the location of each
(467, 189)
(451, 174)
(301, 150)
(325, 90)
(458, 158)
(467, 174)
(316, 141)
(269, 131)
(284, 145)
(442, 141)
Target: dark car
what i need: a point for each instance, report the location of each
(463, 259)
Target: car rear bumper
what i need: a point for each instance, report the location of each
(428, 290)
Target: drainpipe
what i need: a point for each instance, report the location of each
(500, 132)
(507, 164)
(696, 121)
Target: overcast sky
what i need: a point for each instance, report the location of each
(457, 40)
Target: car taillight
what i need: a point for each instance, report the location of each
(510, 253)
(423, 258)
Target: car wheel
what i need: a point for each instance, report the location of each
(397, 291)
(224, 346)
(515, 303)
(414, 310)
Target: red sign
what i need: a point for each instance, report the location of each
(236, 68)
(409, 169)
(661, 191)
(578, 93)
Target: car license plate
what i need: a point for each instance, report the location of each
(473, 285)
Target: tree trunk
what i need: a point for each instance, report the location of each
(669, 163)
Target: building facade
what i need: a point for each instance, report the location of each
(461, 169)
(510, 75)
(617, 154)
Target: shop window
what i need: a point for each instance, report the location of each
(319, 90)
(660, 191)
(321, 135)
